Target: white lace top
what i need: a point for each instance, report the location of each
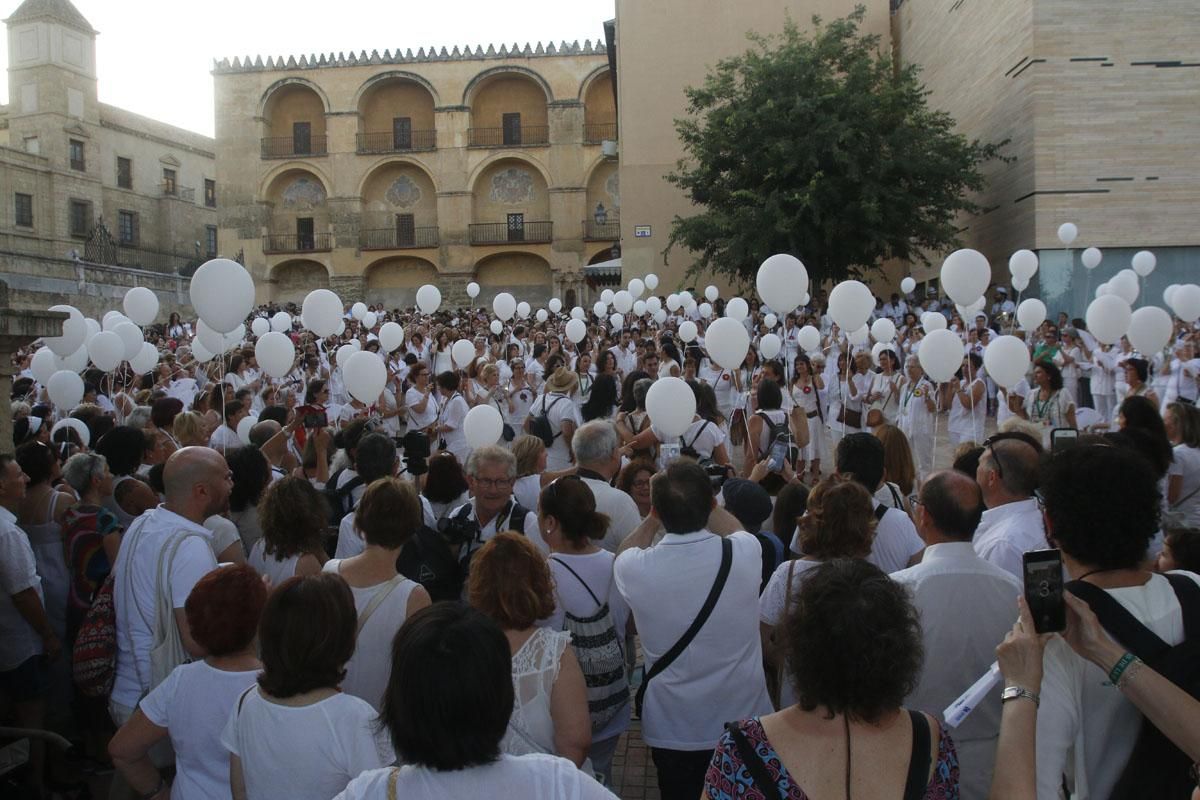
(534, 670)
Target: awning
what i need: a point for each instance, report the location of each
(604, 271)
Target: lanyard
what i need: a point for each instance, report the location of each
(1040, 408)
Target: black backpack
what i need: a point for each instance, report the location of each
(337, 498)
(539, 424)
(1156, 768)
(780, 432)
(689, 450)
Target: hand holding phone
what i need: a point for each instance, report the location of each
(1042, 570)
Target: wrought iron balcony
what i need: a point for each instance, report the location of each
(291, 146)
(608, 230)
(392, 142)
(297, 243)
(507, 233)
(185, 193)
(597, 132)
(523, 136)
(79, 165)
(398, 238)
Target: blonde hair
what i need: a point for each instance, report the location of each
(527, 450)
(188, 426)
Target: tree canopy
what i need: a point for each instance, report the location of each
(819, 146)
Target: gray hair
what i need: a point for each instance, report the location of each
(640, 389)
(494, 455)
(81, 469)
(138, 418)
(595, 441)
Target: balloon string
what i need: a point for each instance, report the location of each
(937, 412)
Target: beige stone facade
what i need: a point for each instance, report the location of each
(374, 174)
(69, 162)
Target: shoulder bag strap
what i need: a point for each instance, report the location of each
(706, 610)
(895, 495)
(1187, 592)
(1179, 503)
(750, 759)
(377, 600)
(393, 776)
(563, 564)
(880, 511)
(699, 433)
(1116, 619)
(918, 762)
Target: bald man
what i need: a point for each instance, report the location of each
(271, 439)
(966, 605)
(1012, 525)
(171, 537)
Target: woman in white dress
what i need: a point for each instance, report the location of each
(511, 583)
(1047, 404)
(806, 395)
(968, 402)
(884, 393)
(440, 356)
(451, 414)
(292, 517)
(918, 414)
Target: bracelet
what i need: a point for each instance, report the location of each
(1129, 672)
(162, 784)
(1114, 674)
(1017, 692)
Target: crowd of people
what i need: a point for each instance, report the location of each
(232, 585)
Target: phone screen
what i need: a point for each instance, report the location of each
(1062, 438)
(778, 454)
(1044, 589)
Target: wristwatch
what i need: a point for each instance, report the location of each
(1015, 692)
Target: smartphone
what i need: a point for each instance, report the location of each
(1063, 438)
(778, 455)
(1044, 589)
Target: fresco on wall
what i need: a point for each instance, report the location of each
(404, 192)
(304, 193)
(513, 186)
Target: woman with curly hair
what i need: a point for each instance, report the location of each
(1048, 405)
(853, 647)
(292, 516)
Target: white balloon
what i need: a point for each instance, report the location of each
(1101, 290)
(497, 327)
(275, 353)
(358, 310)
(483, 426)
(1006, 360)
(369, 319)
(1067, 233)
(199, 351)
(243, 428)
(74, 333)
(576, 330)
(365, 376)
(727, 342)
(472, 290)
(541, 315)
(782, 282)
(321, 312)
(1125, 285)
(93, 328)
(804, 300)
(770, 320)
(342, 355)
(234, 338)
(711, 293)
(555, 305)
(941, 354)
(1108, 318)
(141, 305)
(706, 310)
(883, 330)
(222, 292)
(1186, 302)
(1091, 257)
(860, 335)
(769, 346)
(578, 313)
(77, 425)
(1031, 313)
(145, 360)
(809, 338)
(1170, 290)
(260, 326)
(505, 305)
(738, 309)
(660, 316)
(429, 297)
(685, 296)
(688, 331)
(282, 321)
(65, 389)
(965, 275)
(850, 305)
(463, 353)
(212, 341)
(637, 287)
(391, 336)
(671, 405)
(673, 303)
(1023, 264)
(639, 307)
(652, 281)
(131, 337)
(43, 365)
(111, 318)
(1144, 262)
(908, 285)
(933, 321)
(600, 309)
(1150, 329)
(1020, 284)
(606, 297)
(523, 309)
(616, 322)
(623, 301)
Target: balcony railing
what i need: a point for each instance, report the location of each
(185, 193)
(79, 165)
(297, 243)
(290, 146)
(597, 132)
(391, 142)
(524, 136)
(505, 233)
(397, 238)
(607, 231)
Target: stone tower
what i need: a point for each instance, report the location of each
(51, 67)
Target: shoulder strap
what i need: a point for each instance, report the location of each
(377, 600)
(563, 564)
(699, 433)
(1187, 592)
(393, 776)
(706, 610)
(918, 762)
(519, 513)
(880, 511)
(750, 759)
(1122, 625)
(895, 495)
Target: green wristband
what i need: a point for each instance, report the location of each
(1114, 674)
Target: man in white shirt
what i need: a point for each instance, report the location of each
(1007, 475)
(966, 607)
(1002, 305)
(598, 454)
(491, 472)
(197, 483)
(626, 353)
(718, 676)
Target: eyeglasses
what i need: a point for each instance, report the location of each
(493, 483)
(914, 500)
(552, 489)
(1041, 501)
(990, 444)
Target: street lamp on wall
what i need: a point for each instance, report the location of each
(601, 215)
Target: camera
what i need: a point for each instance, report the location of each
(458, 531)
(717, 475)
(416, 452)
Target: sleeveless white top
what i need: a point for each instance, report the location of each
(534, 670)
(275, 569)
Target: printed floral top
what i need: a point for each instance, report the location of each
(84, 529)
(728, 778)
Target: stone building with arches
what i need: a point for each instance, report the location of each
(374, 174)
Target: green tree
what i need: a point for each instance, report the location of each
(819, 146)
